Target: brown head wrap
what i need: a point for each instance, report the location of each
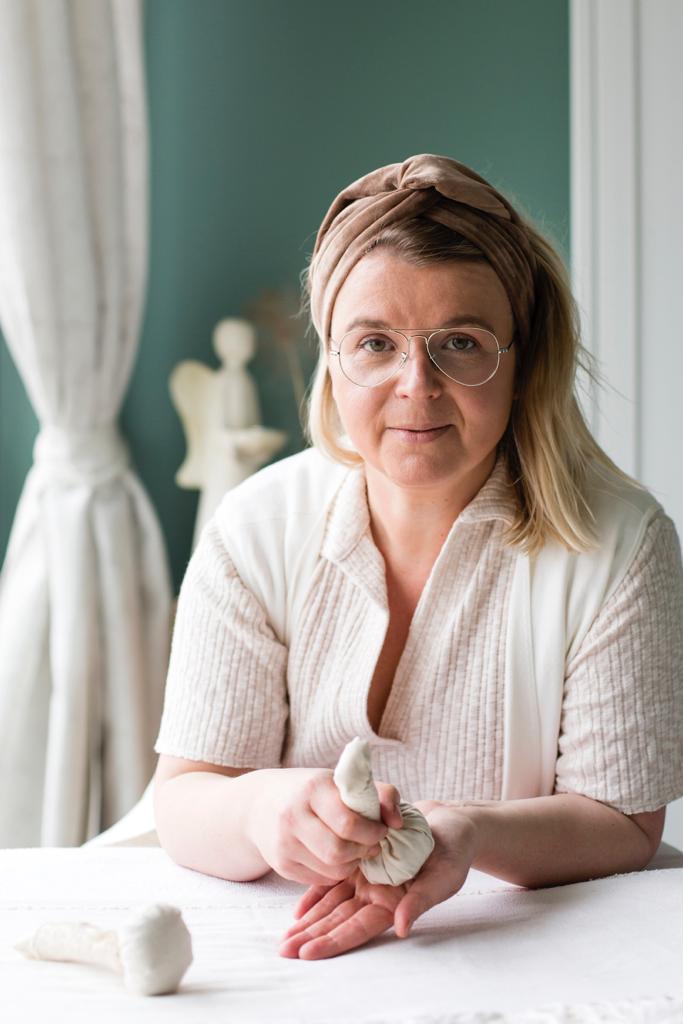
(436, 187)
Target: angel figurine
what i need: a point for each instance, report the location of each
(220, 414)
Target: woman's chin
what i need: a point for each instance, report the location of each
(418, 469)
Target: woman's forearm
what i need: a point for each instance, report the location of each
(201, 821)
(553, 840)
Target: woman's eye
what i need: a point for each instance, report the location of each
(376, 344)
(460, 343)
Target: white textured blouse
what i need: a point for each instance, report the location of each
(237, 696)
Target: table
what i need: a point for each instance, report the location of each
(491, 953)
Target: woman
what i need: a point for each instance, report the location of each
(454, 571)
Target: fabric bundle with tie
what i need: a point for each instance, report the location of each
(404, 850)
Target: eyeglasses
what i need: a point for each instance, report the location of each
(468, 355)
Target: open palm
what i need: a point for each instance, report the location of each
(340, 917)
(335, 918)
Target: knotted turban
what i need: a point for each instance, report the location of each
(435, 187)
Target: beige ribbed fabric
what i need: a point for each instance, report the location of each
(236, 696)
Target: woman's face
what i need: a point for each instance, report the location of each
(387, 423)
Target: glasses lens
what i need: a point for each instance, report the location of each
(468, 355)
(368, 357)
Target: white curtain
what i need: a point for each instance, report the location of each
(85, 592)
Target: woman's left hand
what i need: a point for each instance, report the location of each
(333, 919)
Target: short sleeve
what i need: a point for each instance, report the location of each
(621, 730)
(226, 693)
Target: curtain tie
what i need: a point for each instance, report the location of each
(92, 455)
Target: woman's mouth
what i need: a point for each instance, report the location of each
(419, 435)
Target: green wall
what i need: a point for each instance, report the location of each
(260, 111)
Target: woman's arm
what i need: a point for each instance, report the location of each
(553, 840)
(537, 842)
(239, 823)
(621, 730)
(191, 801)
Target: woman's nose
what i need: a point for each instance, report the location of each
(419, 375)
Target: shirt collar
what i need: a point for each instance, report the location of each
(349, 518)
(495, 499)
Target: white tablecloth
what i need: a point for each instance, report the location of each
(610, 949)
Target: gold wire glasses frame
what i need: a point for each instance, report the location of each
(378, 360)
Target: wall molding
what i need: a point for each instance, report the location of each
(606, 213)
(627, 227)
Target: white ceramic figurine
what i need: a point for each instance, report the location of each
(220, 413)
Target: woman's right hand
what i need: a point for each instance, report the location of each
(304, 831)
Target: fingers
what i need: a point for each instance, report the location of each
(346, 927)
(297, 872)
(390, 800)
(325, 844)
(320, 841)
(326, 903)
(407, 912)
(337, 915)
(329, 847)
(326, 802)
(438, 880)
(304, 862)
(309, 899)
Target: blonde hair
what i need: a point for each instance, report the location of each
(547, 444)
